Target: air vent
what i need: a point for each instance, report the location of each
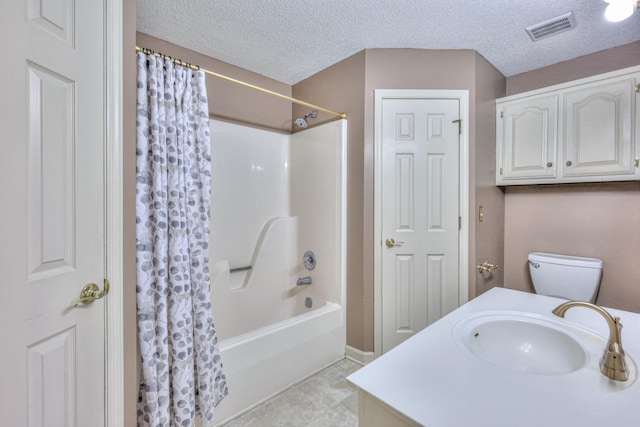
(552, 26)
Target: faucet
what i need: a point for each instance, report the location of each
(612, 364)
(303, 281)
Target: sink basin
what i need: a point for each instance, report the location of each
(521, 342)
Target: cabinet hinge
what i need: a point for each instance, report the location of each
(500, 171)
(459, 122)
(502, 114)
(459, 223)
(636, 163)
(638, 88)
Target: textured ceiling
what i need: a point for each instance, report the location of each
(290, 40)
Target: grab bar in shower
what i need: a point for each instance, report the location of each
(246, 267)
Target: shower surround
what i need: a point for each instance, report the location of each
(274, 197)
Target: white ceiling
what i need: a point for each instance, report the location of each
(290, 40)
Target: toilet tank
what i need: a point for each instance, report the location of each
(564, 276)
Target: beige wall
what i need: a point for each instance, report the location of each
(341, 88)
(438, 69)
(593, 220)
(229, 101)
(403, 69)
(349, 86)
(590, 220)
(488, 240)
(584, 66)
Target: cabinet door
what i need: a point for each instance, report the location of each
(599, 134)
(530, 134)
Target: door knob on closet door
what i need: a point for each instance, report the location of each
(391, 243)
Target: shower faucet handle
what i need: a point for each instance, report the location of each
(304, 281)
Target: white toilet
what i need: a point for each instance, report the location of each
(569, 277)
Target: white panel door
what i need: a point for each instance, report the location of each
(420, 150)
(52, 217)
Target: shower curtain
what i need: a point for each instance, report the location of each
(181, 368)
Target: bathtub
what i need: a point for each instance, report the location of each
(275, 197)
(261, 363)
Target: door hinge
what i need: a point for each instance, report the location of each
(638, 88)
(636, 163)
(502, 114)
(459, 122)
(459, 223)
(500, 171)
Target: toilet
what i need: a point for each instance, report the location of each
(563, 276)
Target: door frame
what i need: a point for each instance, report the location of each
(463, 195)
(114, 174)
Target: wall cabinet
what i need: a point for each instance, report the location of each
(581, 131)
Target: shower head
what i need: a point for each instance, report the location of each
(302, 121)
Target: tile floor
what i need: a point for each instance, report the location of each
(323, 400)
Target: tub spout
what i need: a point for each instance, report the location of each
(612, 363)
(303, 281)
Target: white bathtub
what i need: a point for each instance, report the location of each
(274, 198)
(263, 362)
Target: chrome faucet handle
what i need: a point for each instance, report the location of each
(304, 281)
(612, 364)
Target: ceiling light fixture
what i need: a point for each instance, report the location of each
(619, 10)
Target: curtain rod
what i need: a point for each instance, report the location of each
(239, 82)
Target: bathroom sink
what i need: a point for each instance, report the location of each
(521, 342)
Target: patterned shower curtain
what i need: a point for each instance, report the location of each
(181, 368)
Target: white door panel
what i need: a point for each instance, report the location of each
(52, 216)
(420, 213)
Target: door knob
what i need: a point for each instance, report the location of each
(391, 243)
(92, 292)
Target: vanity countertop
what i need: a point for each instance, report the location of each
(432, 380)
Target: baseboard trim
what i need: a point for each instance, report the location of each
(359, 356)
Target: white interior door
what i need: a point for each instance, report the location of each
(420, 214)
(52, 217)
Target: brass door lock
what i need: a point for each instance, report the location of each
(392, 243)
(91, 292)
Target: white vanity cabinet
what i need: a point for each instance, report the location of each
(581, 131)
